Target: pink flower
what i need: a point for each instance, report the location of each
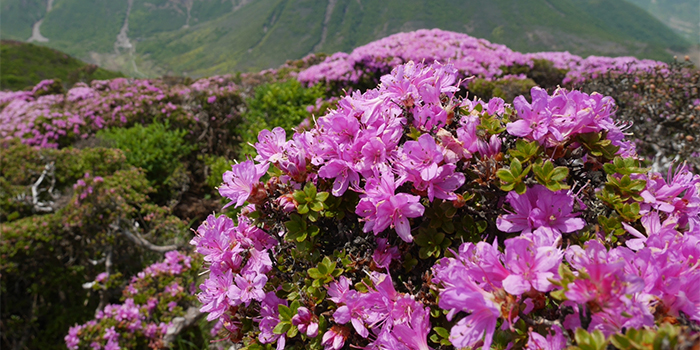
(240, 181)
(334, 338)
(537, 209)
(385, 253)
(414, 334)
(530, 266)
(304, 322)
(248, 287)
(554, 341)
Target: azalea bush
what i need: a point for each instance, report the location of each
(69, 216)
(661, 104)
(440, 206)
(411, 218)
(155, 303)
(471, 56)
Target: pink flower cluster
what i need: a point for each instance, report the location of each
(620, 288)
(409, 143)
(239, 260)
(85, 187)
(396, 320)
(469, 55)
(45, 120)
(117, 324)
(554, 120)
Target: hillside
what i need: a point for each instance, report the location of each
(683, 16)
(23, 65)
(198, 37)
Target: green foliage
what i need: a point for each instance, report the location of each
(507, 89)
(619, 190)
(216, 166)
(310, 202)
(24, 65)
(666, 337)
(155, 148)
(598, 145)
(45, 259)
(590, 341)
(276, 104)
(542, 72)
(441, 336)
(513, 178)
(22, 165)
(553, 178)
(324, 272)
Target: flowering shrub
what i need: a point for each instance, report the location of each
(410, 218)
(68, 216)
(49, 118)
(152, 300)
(469, 55)
(663, 105)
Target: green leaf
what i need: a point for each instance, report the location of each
(314, 231)
(310, 190)
(317, 206)
(303, 209)
(292, 332)
(442, 332)
(505, 175)
(282, 328)
(285, 312)
(315, 273)
(322, 196)
(516, 167)
(300, 197)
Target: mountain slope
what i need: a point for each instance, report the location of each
(202, 37)
(24, 65)
(683, 16)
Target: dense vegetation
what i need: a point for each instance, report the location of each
(25, 65)
(365, 215)
(199, 38)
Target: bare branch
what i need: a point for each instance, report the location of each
(178, 324)
(138, 240)
(44, 207)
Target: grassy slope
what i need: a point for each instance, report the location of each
(75, 28)
(610, 27)
(265, 33)
(18, 16)
(23, 65)
(681, 15)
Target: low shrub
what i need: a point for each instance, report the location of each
(409, 218)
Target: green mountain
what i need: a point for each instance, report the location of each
(23, 65)
(204, 37)
(683, 16)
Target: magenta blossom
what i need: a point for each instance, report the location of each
(240, 181)
(530, 266)
(385, 253)
(248, 287)
(334, 338)
(554, 341)
(305, 323)
(539, 208)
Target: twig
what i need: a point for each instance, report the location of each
(43, 207)
(178, 324)
(141, 241)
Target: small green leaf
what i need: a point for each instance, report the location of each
(322, 196)
(282, 328)
(442, 332)
(315, 273)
